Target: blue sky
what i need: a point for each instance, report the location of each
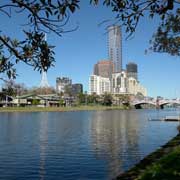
(78, 51)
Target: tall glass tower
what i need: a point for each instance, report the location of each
(115, 47)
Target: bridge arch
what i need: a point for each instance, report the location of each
(165, 103)
(139, 104)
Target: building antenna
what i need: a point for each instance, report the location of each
(44, 81)
(45, 36)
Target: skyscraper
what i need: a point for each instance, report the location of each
(115, 47)
(103, 68)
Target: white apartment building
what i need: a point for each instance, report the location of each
(99, 85)
(120, 83)
(62, 83)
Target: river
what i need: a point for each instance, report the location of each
(79, 145)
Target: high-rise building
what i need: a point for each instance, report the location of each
(132, 70)
(109, 76)
(62, 83)
(115, 47)
(103, 68)
(77, 89)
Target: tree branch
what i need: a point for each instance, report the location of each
(10, 47)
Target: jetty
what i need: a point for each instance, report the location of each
(166, 118)
(172, 118)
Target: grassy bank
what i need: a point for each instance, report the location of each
(167, 167)
(163, 164)
(57, 109)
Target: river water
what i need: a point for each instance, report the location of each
(79, 145)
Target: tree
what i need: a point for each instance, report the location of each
(43, 90)
(129, 12)
(92, 98)
(81, 98)
(167, 37)
(35, 102)
(12, 88)
(62, 102)
(107, 99)
(42, 16)
(123, 99)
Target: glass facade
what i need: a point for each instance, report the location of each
(115, 47)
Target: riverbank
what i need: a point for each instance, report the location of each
(60, 109)
(162, 164)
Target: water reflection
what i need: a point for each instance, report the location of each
(77, 145)
(43, 143)
(113, 134)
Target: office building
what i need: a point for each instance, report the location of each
(77, 89)
(109, 75)
(62, 83)
(132, 70)
(115, 47)
(103, 68)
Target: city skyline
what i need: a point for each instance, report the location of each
(78, 51)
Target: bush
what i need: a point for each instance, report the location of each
(35, 102)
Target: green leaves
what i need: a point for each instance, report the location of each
(43, 2)
(167, 39)
(95, 2)
(34, 51)
(107, 99)
(129, 12)
(37, 52)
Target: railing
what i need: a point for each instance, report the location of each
(161, 102)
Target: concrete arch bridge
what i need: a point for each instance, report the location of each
(156, 103)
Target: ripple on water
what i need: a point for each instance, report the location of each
(77, 145)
